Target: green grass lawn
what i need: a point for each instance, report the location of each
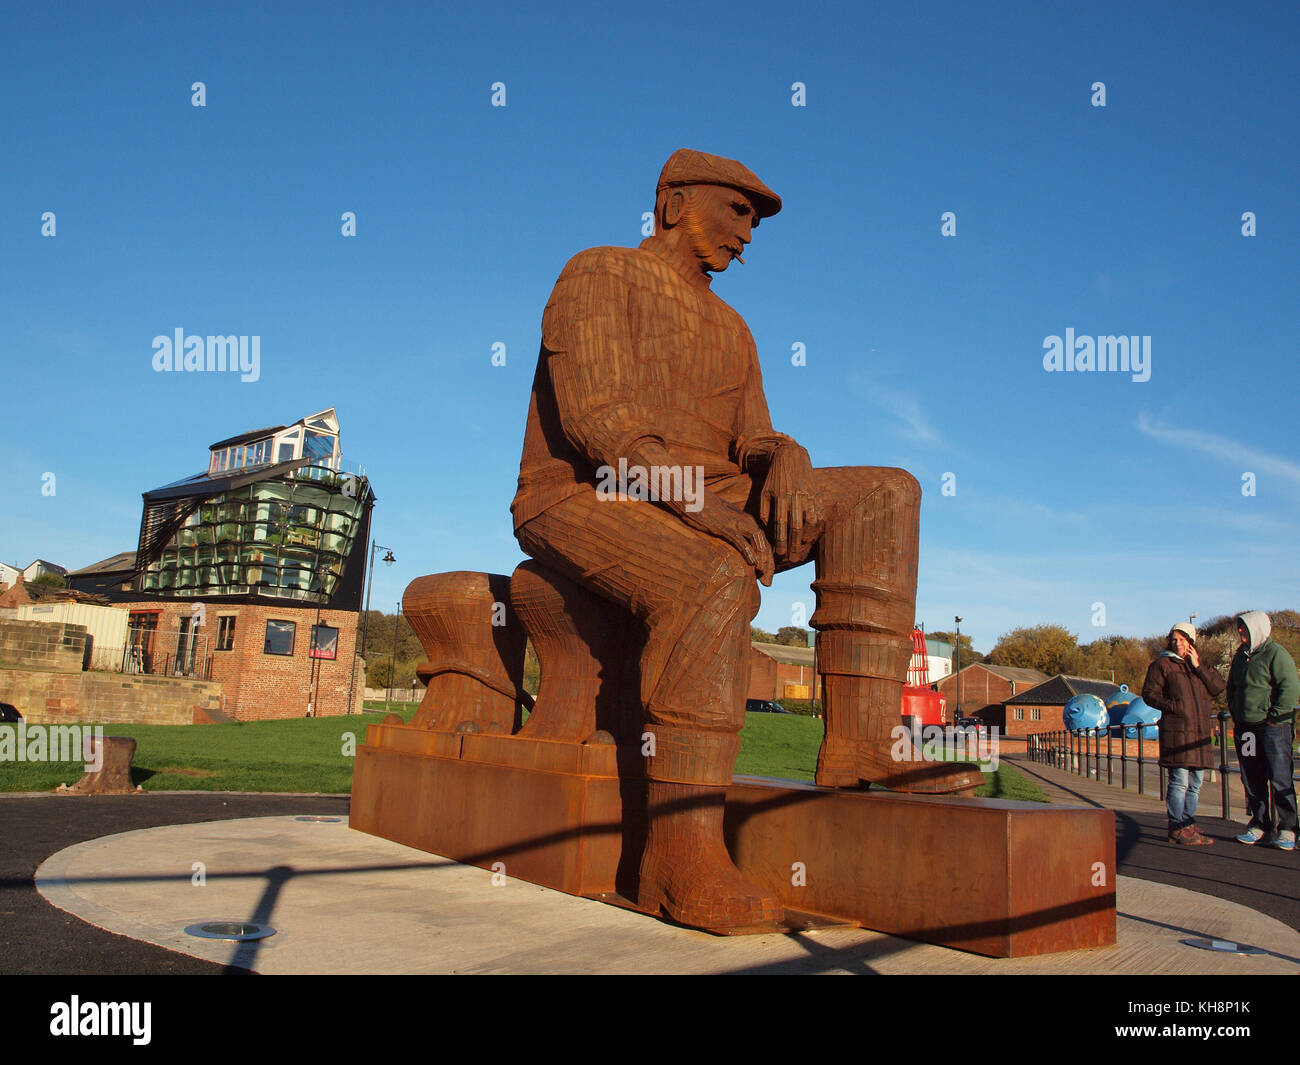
(302, 754)
(311, 755)
(777, 745)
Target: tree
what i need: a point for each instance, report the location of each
(757, 635)
(1121, 659)
(792, 636)
(1050, 649)
(52, 580)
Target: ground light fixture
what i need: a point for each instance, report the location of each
(230, 931)
(1224, 946)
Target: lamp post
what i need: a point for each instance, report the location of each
(320, 573)
(387, 560)
(957, 622)
(392, 673)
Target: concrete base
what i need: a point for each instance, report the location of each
(1004, 879)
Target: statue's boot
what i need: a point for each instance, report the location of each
(865, 741)
(686, 872)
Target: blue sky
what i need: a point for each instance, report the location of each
(923, 351)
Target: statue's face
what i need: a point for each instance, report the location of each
(719, 221)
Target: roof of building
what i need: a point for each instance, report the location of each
(779, 652)
(1019, 674)
(1060, 689)
(256, 434)
(30, 592)
(48, 565)
(122, 562)
(202, 485)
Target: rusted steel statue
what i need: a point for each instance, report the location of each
(644, 369)
(653, 496)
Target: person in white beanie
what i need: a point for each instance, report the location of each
(1180, 686)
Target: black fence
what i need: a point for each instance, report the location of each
(1085, 751)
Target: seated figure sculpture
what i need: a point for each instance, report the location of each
(643, 368)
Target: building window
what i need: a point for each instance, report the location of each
(279, 637)
(1036, 714)
(324, 642)
(1019, 713)
(225, 634)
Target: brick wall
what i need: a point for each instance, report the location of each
(762, 676)
(1049, 719)
(982, 694)
(258, 686)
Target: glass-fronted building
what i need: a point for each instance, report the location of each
(274, 517)
(251, 574)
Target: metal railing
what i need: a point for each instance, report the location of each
(1080, 752)
(170, 653)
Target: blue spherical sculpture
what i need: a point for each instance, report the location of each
(1139, 714)
(1084, 712)
(1121, 698)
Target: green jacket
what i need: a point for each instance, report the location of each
(1263, 685)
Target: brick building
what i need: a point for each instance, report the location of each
(250, 574)
(985, 687)
(777, 671)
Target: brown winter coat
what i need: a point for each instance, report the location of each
(1182, 695)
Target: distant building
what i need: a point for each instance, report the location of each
(40, 568)
(12, 575)
(780, 672)
(938, 655)
(251, 574)
(985, 687)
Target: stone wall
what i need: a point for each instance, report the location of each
(41, 675)
(47, 646)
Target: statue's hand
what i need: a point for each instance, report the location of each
(788, 503)
(719, 518)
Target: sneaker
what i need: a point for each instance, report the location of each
(1187, 836)
(1285, 840)
(1251, 836)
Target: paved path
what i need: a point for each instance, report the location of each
(37, 938)
(1262, 878)
(140, 884)
(346, 902)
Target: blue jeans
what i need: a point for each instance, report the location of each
(1181, 795)
(1268, 770)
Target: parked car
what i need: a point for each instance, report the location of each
(973, 724)
(764, 706)
(9, 714)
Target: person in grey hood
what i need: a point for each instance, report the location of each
(1180, 686)
(1263, 688)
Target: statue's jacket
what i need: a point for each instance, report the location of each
(632, 351)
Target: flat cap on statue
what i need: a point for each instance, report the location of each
(689, 167)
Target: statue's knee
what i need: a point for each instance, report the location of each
(903, 485)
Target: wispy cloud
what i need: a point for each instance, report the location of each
(905, 408)
(1220, 447)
